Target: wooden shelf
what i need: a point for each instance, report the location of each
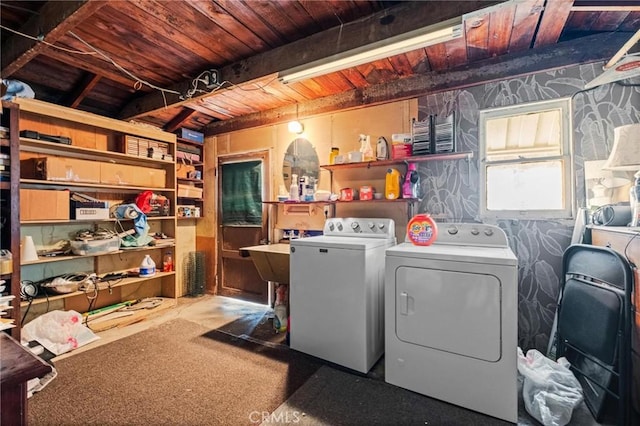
(47, 184)
(5, 185)
(124, 281)
(467, 155)
(45, 259)
(196, 181)
(72, 221)
(189, 142)
(294, 203)
(52, 148)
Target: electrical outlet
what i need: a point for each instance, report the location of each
(213, 79)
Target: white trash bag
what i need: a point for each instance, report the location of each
(58, 331)
(550, 390)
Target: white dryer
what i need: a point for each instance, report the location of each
(451, 319)
(336, 291)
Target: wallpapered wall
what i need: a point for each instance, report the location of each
(451, 188)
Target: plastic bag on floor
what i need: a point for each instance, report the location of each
(58, 331)
(550, 390)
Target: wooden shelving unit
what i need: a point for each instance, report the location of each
(100, 140)
(191, 204)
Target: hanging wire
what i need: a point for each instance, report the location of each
(41, 40)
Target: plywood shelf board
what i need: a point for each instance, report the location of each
(82, 117)
(46, 184)
(123, 282)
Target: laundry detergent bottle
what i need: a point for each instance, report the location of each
(392, 184)
(411, 182)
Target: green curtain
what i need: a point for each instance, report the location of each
(242, 193)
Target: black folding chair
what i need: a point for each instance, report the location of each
(594, 327)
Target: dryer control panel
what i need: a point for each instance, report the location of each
(471, 234)
(360, 227)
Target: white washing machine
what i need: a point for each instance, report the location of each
(451, 319)
(336, 291)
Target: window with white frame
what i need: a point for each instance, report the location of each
(525, 155)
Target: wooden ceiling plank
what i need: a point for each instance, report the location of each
(238, 39)
(112, 34)
(418, 61)
(302, 22)
(99, 67)
(325, 14)
(526, 20)
(53, 21)
(176, 122)
(437, 55)
(82, 90)
(500, 28)
(408, 16)
(253, 22)
(492, 69)
(456, 52)
(582, 21)
(401, 64)
(553, 20)
(476, 34)
(609, 21)
(181, 32)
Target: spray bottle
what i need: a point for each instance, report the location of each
(411, 182)
(366, 149)
(294, 194)
(280, 309)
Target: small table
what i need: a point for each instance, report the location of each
(18, 365)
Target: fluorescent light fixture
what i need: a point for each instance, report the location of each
(416, 39)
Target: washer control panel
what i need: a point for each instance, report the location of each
(360, 227)
(471, 234)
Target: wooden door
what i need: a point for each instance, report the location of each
(242, 221)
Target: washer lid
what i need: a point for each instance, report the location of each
(458, 253)
(351, 243)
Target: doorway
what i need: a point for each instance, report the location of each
(242, 219)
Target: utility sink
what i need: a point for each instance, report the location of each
(271, 260)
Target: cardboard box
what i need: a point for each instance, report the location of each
(191, 135)
(60, 169)
(121, 174)
(401, 150)
(44, 204)
(188, 191)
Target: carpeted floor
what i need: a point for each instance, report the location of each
(178, 373)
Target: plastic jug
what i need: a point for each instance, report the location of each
(147, 267)
(392, 184)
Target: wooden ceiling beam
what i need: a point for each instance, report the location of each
(406, 17)
(52, 22)
(578, 51)
(177, 121)
(89, 81)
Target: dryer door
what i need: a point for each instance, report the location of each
(451, 311)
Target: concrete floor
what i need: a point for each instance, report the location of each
(207, 310)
